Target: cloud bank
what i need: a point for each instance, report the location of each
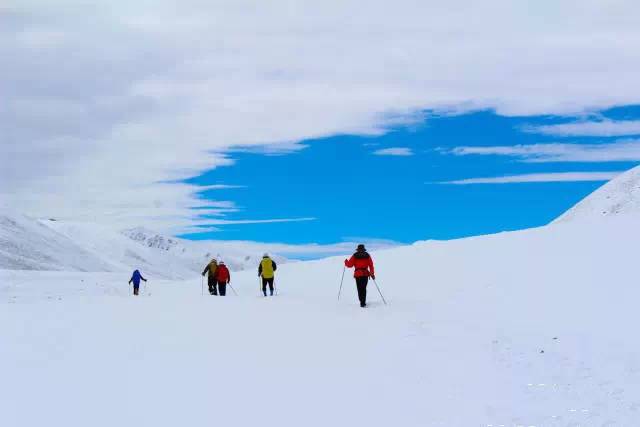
(619, 151)
(394, 151)
(539, 177)
(600, 128)
(107, 105)
(256, 221)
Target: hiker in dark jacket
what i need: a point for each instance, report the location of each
(212, 281)
(135, 278)
(363, 264)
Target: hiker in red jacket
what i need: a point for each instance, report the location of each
(363, 263)
(223, 276)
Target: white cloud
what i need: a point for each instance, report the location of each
(599, 128)
(394, 151)
(276, 149)
(539, 177)
(148, 95)
(219, 187)
(206, 222)
(40, 38)
(619, 151)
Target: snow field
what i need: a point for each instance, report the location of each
(530, 328)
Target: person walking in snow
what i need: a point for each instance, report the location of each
(135, 278)
(266, 270)
(363, 264)
(223, 276)
(211, 269)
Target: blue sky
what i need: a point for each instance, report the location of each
(186, 86)
(408, 183)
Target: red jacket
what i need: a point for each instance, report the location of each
(362, 262)
(222, 274)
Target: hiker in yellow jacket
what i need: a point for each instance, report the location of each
(266, 270)
(211, 268)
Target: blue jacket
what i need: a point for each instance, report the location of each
(136, 278)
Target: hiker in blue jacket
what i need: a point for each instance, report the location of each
(135, 278)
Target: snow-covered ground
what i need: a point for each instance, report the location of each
(530, 328)
(526, 328)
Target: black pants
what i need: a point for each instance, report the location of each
(222, 288)
(213, 290)
(361, 283)
(266, 281)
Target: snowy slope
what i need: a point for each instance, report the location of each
(237, 255)
(32, 244)
(532, 328)
(125, 253)
(29, 244)
(620, 196)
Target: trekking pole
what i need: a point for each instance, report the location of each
(381, 296)
(234, 291)
(341, 280)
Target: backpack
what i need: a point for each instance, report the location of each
(222, 274)
(213, 266)
(267, 268)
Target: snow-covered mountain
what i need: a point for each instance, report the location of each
(620, 196)
(238, 255)
(48, 244)
(27, 244)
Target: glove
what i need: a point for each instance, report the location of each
(202, 274)
(373, 276)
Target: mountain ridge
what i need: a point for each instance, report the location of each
(620, 196)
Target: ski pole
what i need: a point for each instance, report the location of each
(144, 291)
(381, 296)
(341, 280)
(234, 291)
(202, 286)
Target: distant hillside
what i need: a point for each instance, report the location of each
(238, 255)
(32, 244)
(620, 196)
(27, 244)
